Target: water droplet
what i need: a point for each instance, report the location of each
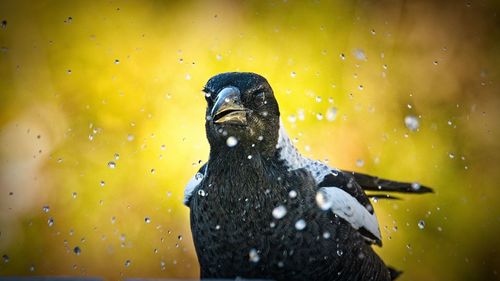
(412, 122)
(339, 252)
(32, 268)
(359, 54)
(300, 224)
(45, 209)
(301, 114)
(50, 222)
(254, 256)
(218, 57)
(360, 162)
(68, 20)
(74, 195)
(198, 176)
(324, 203)
(163, 147)
(326, 235)
(77, 250)
(451, 155)
(279, 212)
(127, 263)
(130, 137)
(102, 183)
(318, 99)
(202, 193)
(4, 24)
(342, 56)
(153, 171)
(117, 61)
(111, 165)
(292, 194)
(360, 87)
(147, 219)
(421, 224)
(117, 156)
(5, 258)
(179, 237)
(331, 114)
(68, 71)
(292, 118)
(188, 76)
(415, 186)
(319, 116)
(231, 141)
(293, 74)
(217, 227)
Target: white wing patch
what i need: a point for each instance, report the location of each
(192, 184)
(295, 160)
(347, 207)
(340, 202)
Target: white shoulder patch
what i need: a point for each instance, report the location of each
(347, 207)
(340, 202)
(295, 160)
(192, 184)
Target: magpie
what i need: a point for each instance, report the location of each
(259, 209)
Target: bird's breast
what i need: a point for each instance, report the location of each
(260, 226)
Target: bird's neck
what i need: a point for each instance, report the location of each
(241, 170)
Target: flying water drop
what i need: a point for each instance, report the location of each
(324, 203)
(231, 141)
(254, 256)
(77, 250)
(412, 122)
(279, 212)
(300, 224)
(421, 224)
(331, 114)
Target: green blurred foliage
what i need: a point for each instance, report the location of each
(81, 81)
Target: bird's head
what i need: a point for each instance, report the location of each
(241, 112)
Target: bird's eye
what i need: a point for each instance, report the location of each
(260, 99)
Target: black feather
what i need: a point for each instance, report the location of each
(382, 196)
(374, 183)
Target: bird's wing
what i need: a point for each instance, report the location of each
(347, 207)
(349, 201)
(194, 183)
(373, 183)
(343, 195)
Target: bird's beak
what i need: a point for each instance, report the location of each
(228, 108)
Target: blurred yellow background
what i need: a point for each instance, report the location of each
(86, 83)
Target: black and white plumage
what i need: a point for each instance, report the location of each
(259, 209)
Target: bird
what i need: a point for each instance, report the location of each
(259, 209)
